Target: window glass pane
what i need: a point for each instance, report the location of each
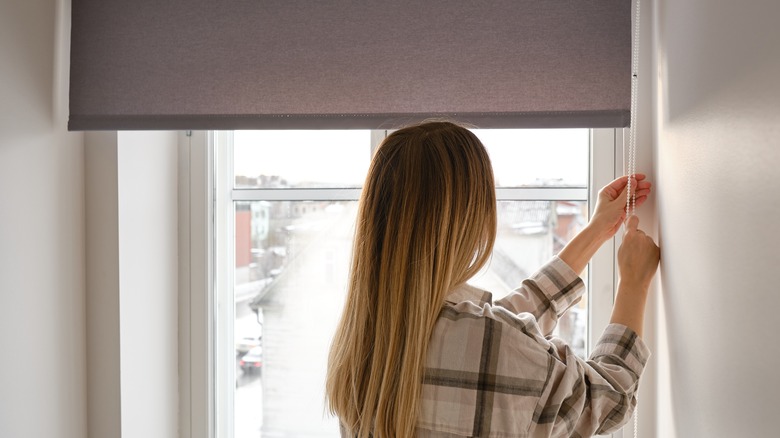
(292, 262)
(296, 159)
(529, 234)
(292, 257)
(538, 157)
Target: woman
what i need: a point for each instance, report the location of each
(418, 352)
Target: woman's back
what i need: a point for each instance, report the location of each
(417, 352)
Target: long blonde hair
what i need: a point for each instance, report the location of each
(426, 224)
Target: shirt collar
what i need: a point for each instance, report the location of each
(466, 292)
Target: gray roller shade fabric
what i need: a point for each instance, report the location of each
(279, 64)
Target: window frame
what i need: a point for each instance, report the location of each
(207, 214)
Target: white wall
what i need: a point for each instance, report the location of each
(42, 280)
(718, 153)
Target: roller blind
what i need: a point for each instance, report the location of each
(278, 64)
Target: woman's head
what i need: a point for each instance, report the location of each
(432, 183)
(426, 224)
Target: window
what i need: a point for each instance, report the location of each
(283, 234)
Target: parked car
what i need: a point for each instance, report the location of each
(253, 361)
(246, 343)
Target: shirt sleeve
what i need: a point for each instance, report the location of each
(547, 294)
(594, 396)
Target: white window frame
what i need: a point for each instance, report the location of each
(205, 206)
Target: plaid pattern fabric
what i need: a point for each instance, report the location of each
(493, 370)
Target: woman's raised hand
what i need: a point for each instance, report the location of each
(610, 211)
(609, 214)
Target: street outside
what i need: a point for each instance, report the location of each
(300, 312)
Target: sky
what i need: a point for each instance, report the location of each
(519, 157)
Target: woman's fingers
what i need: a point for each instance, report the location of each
(639, 201)
(619, 185)
(641, 191)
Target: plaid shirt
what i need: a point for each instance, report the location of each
(493, 370)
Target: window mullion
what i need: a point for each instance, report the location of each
(346, 194)
(542, 193)
(223, 310)
(353, 194)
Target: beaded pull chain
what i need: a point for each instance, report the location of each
(631, 162)
(631, 171)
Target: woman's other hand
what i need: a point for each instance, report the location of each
(638, 259)
(638, 256)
